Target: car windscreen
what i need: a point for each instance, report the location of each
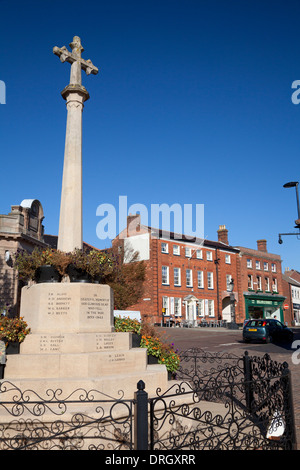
(256, 323)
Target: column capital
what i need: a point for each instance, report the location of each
(76, 89)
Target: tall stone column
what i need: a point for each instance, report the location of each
(70, 221)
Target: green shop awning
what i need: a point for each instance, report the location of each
(264, 299)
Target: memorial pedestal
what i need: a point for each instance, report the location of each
(73, 344)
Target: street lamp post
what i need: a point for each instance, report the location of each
(232, 325)
(293, 184)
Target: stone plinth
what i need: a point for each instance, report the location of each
(80, 365)
(68, 307)
(73, 344)
(61, 343)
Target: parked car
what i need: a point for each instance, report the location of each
(266, 330)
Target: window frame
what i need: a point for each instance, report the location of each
(162, 276)
(227, 258)
(179, 277)
(166, 313)
(201, 278)
(191, 277)
(266, 266)
(210, 280)
(176, 250)
(166, 246)
(179, 307)
(211, 303)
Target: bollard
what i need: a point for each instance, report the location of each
(2, 359)
(141, 417)
(248, 381)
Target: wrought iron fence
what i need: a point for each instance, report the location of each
(218, 401)
(82, 420)
(222, 401)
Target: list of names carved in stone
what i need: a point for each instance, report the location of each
(117, 357)
(58, 303)
(51, 343)
(105, 342)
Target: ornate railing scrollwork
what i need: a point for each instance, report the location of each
(82, 420)
(222, 401)
(218, 401)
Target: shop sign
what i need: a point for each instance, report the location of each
(264, 302)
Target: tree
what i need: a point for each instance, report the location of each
(127, 278)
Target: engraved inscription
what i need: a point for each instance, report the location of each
(105, 342)
(116, 357)
(58, 303)
(51, 343)
(94, 307)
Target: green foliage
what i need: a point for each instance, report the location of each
(127, 325)
(153, 345)
(126, 279)
(96, 263)
(151, 340)
(158, 347)
(13, 329)
(27, 263)
(169, 357)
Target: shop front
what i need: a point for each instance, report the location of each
(296, 310)
(264, 306)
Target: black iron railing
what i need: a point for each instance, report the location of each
(218, 401)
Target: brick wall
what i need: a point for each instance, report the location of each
(259, 263)
(224, 263)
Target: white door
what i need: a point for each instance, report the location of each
(191, 311)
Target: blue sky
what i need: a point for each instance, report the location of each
(192, 105)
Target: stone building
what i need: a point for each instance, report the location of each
(22, 228)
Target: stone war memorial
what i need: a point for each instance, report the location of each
(72, 343)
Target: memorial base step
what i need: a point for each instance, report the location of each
(116, 386)
(76, 364)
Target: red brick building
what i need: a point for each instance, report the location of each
(291, 290)
(261, 282)
(189, 280)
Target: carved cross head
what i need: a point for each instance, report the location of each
(74, 58)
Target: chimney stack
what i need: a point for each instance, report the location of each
(262, 245)
(223, 234)
(133, 224)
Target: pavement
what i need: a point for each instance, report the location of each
(224, 340)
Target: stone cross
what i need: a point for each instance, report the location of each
(75, 59)
(70, 220)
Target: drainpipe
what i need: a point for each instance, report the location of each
(217, 273)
